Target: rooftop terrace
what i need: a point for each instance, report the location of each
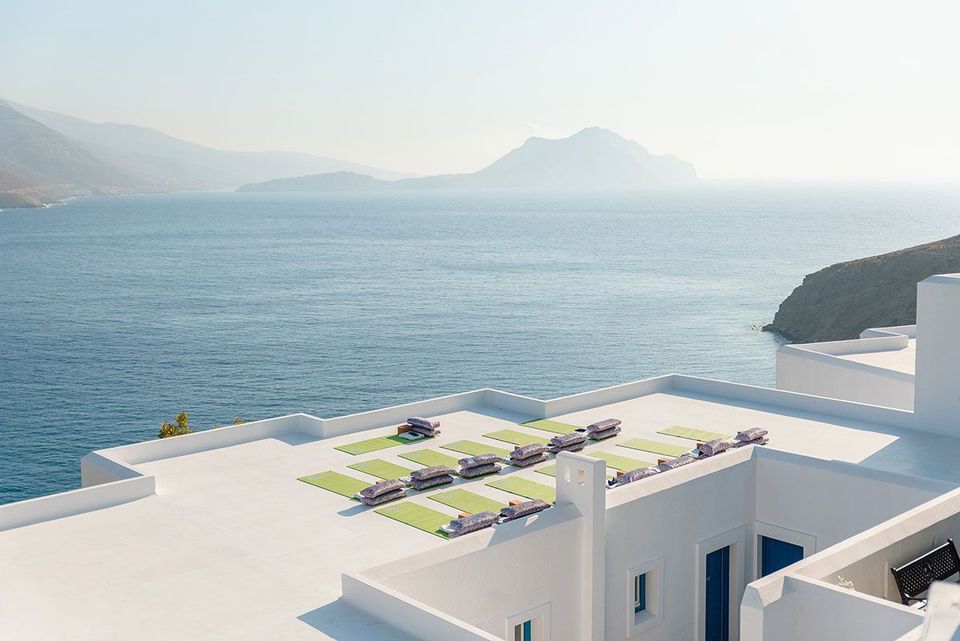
(213, 536)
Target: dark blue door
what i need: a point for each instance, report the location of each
(717, 608)
(776, 555)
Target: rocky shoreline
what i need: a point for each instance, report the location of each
(840, 301)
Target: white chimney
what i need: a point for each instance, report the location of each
(937, 381)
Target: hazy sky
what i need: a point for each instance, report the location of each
(745, 89)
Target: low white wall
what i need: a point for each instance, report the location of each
(789, 400)
(495, 574)
(88, 499)
(614, 394)
(405, 614)
(831, 500)
(809, 610)
(821, 374)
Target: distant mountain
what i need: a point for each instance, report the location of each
(840, 301)
(336, 181)
(39, 165)
(140, 159)
(593, 158)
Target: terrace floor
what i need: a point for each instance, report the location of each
(235, 546)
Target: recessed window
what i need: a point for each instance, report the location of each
(644, 597)
(639, 593)
(523, 631)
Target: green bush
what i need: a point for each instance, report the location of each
(181, 425)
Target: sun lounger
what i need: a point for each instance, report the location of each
(515, 437)
(604, 425)
(634, 475)
(576, 447)
(567, 440)
(468, 524)
(481, 459)
(419, 421)
(372, 444)
(655, 447)
(673, 464)
(604, 434)
(426, 473)
(480, 470)
(520, 510)
(384, 498)
(752, 436)
(712, 448)
(381, 487)
(525, 487)
(382, 469)
(525, 451)
(433, 481)
(529, 460)
(466, 501)
(429, 458)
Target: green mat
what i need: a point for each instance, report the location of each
(525, 488)
(549, 470)
(551, 426)
(418, 516)
(692, 433)
(622, 463)
(374, 444)
(472, 448)
(382, 469)
(468, 502)
(515, 437)
(655, 447)
(429, 458)
(335, 482)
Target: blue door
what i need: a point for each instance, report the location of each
(776, 555)
(717, 606)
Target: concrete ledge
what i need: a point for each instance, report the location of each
(406, 614)
(88, 499)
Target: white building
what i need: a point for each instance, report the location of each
(213, 536)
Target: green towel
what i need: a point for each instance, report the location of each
(382, 469)
(472, 448)
(418, 516)
(515, 437)
(335, 482)
(429, 458)
(525, 488)
(551, 426)
(655, 447)
(692, 433)
(468, 502)
(374, 444)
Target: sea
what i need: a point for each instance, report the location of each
(118, 312)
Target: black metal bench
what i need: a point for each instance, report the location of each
(914, 578)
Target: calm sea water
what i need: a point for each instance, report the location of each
(117, 313)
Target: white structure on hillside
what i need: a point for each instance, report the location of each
(212, 536)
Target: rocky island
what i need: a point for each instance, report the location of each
(840, 301)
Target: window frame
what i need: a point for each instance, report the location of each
(652, 614)
(540, 623)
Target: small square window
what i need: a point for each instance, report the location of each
(644, 597)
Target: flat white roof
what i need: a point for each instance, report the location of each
(899, 360)
(232, 545)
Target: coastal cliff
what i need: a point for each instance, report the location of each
(842, 300)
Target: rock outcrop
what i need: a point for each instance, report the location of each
(842, 300)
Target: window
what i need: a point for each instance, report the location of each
(532, 625)
(643, 596)
(523, 631)
(639, 593)
(776, 554)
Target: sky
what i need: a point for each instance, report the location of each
(758, 90)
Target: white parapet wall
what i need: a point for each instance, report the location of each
(819, 369)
